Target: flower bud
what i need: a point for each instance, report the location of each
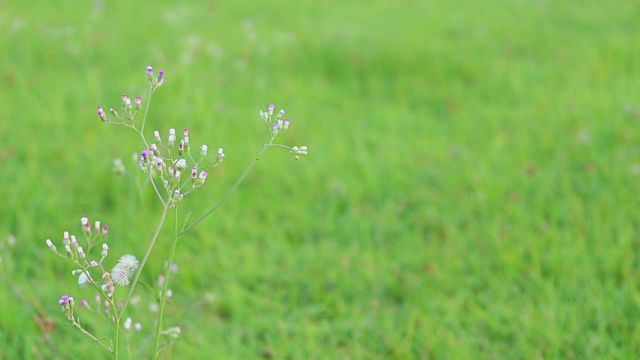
(50, 245)
(105, 250)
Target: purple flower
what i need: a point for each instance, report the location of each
(272, 107)
(144, 155)
(149, 71)
(65, 300)
(101, 112)
(160, 77)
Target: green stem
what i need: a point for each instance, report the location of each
(116, 334)
(79, 327)
(231, 189)
(165, 210)
(165, 288)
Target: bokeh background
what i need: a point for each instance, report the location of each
(471, 188)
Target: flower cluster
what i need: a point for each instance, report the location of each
(278, 125)
(173, 162)
(131, 109)
(121, 273)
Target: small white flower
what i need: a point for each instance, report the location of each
(181, 164)
(84, 279)
(124, 270)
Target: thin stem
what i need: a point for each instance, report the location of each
(79, 327)
(165, 209)
(146, 111)
(231, 189)
(165, 288)
(116, 332)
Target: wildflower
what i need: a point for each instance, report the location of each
(160, 165)
(84, 303)
(67, 249)
(156, 135)
(65, 300)
(96, 226)
(81, 253)
(124, 270)
(285, 126)
(84, 278)
(181, 164)
(127, 323)
(202, 177)
(194, 173)
(101, 113)
(138, 101)
(74, 242)
(86, 227)
(50, 245)
(105, 230)
(149, 71)
(65, 238)
(137, 326)
(172, 137)
(203, 150)
(272, 107)
(105, 250)
(220, 152)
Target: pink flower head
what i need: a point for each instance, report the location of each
(149, 70)
(160, 77)
(65, 300)
(101, 113)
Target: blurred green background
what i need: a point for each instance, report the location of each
(471, 188)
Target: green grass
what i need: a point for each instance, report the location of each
(471, 190)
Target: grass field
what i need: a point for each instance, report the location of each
(471, 189)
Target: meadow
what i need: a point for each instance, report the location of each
(469, 192)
